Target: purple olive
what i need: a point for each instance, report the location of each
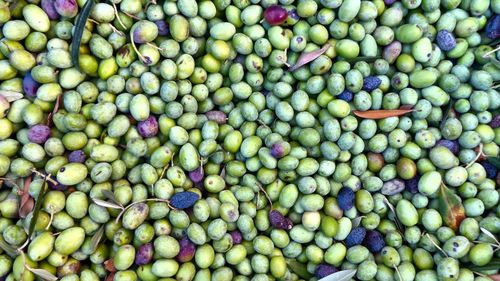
(30, 86)
(144, 254)
(148, 128)
(197, 175)
(50, 10)
(66, 8)
(163, 29)
(392, 51)
(39, 133)
(218, 116)
(77, 156)
(237, 237)
(495, 122)
(187, 250)
(277, 220)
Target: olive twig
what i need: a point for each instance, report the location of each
(141, 57)
(479, 154)
(118, 16)
(487, 54)
(399, 273)
(435, 244)
(44, 176)
(267, 195)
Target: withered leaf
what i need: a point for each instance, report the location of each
(26, 203)
(381, 114)
(305, 58)
(450, 207)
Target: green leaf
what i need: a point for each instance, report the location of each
(344, 275)
(447, 113)
(38, 206)
(11, 251)
(450, 207)
(42, 273)
(495, 161)
(367, 59)
(110, 195)
(77, 35)
(106, 204)
(492, 265)
(299, 268)
(96, 238)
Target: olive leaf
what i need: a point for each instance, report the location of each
(11, 96)
(42, 273)
(447, 113)
(495, 161)
(11, 251)
(344, 275)
(111, 196)
(396, 220)
(381, 114)
(38, 206)
(77, 35)
(299, 268)
(366, 59)
(489, 234)
(494, 264)
(27, 203)
(106, 204)
(357, 221)
(451, 208)
(305, 58)
(96, 238)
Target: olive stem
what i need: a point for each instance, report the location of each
(267, 195)
(118, 16)
(436, 245)
(487, 54)
(47, 177)
(141, 57)
(20, 249)
(479, 154)
(399, 273)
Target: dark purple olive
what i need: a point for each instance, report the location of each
(50, 10)
(452, 145)
(277, 220)
(39, 133)
(77, 156)
(144, 254)
(324, 270)
(163, 29)
(148, 128)
(237, 237)
(30, 86)
(493, 27)
(495, 122)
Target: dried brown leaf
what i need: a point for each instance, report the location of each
(381, 114)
